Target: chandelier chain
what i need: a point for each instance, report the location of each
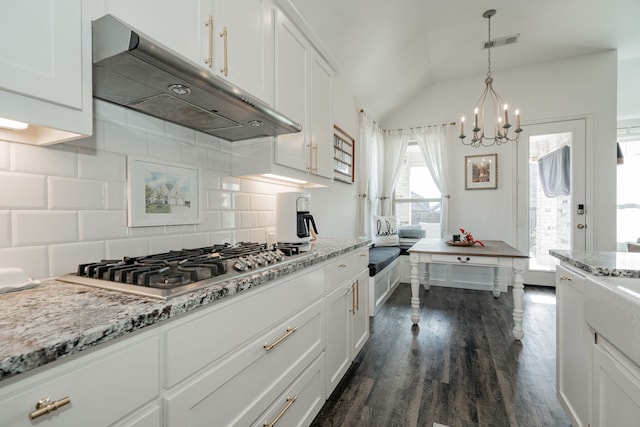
(489, 50)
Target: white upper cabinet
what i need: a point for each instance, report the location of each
(304, 93)
(243, 45)
(177, 25)
(45, 70)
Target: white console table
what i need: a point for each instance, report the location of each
(495, 253)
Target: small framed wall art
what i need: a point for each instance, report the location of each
(162, 193)
(343, 155)
(481, 172)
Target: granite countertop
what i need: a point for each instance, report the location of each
(617, 264)
(57, 319)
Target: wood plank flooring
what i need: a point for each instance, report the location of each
(461, 367)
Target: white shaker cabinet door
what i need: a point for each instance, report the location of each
(244, 42)
(320, 117)
(40, 50)
(179, 26)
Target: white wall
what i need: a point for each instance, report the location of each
(335, 208)
(629, 90)
(67, 204)
(584, 85)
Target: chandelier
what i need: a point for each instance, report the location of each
(481, 134)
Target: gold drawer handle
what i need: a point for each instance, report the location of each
(363, 255)
(290, 401)
(45, 405)
(290, 331)
(565, 278)
(342, 265)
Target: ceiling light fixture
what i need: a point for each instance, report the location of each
(500, 119)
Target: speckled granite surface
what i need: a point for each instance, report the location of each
(56, 319)
(618, 264)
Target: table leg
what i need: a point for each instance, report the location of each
(518, 292)
(496, 282)
(415, 293)
(426, 284)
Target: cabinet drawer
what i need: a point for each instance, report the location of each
(346, 267)
(221, 329)
(244, 385)
(301, 402)
(103, 386)
(465, 259)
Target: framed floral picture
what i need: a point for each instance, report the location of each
(481, 172)
(162, 193)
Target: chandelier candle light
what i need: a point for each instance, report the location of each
(501, 119)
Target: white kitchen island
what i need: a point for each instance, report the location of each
(494, 253)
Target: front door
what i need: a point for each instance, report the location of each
(551, 206)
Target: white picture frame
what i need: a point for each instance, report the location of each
(162, 193)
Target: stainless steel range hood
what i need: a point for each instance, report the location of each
(138, 73)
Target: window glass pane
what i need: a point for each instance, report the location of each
(628, 196)
(417, 199)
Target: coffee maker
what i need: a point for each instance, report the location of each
(294, 223)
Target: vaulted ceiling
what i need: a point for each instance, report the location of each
(387, 51)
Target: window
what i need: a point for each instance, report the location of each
(417, 199)
(628, 196)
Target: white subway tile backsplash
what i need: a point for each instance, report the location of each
(66, 193)
(161, 244)
(249, 186)
(102, 165)
(145, 122)
(230, 220)
(5, 229)
(266, 219)
(195, 240)
(33, 260)
(231, 184)
(194, 155)
(241, 236)
(258, 235)
(43, 227)
(219, 237)
(241, 202)
(226, 146)
(22, 191)
(249, 219)
(146, 231)
(118, 249)
(210, 221)
(181, 229)
(179, 132)
(116, 195)
(4, 155)
(218, 200)
(121, 139)
(64, 259)
(210, 180)
(164, 148)
(109, 112)
(102, 225)
(208, 141)
(57, 160)
(261, 202)
(219, 161)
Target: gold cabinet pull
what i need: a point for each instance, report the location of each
(315, 147)
(357, 295)
(209, 23)
(225, 69)
(290, 331)
(353, 299)
(45, 406)
(290, 401)
(565, 278)
(342, 265)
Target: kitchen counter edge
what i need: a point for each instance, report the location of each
(56, 319)
(601, 263)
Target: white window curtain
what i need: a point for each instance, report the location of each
(387, 158)
(432, 142)
(369, 133)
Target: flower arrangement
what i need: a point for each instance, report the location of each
(468, 237)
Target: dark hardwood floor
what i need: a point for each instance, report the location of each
(461, 366)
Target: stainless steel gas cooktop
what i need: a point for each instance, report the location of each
(174, 273)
